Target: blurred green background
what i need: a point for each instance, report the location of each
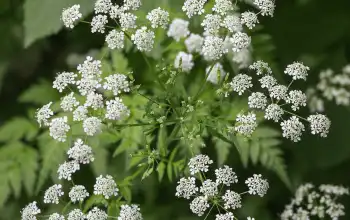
(34, 47)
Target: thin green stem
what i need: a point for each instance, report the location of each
(295, 115)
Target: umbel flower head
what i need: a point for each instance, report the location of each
(130, 212)
(30, 211)
(105, 186)
(71, 15)
(53, 194)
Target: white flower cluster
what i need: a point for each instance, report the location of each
(311, 202)
(210, 190)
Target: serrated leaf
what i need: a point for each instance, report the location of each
(161, 143)
(17, 128)
(254, 152)
(148, 172)
(161, 169)
(14, 177)
(244, 150)
(94, 200)
(40, 94)
(222, 150)
(5, 191)
(126, 192)
(42, 17)
(119, 62)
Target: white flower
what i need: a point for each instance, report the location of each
(186, 187)
(273, 112)
(243, 58)
(194, 43)
(297, 71)
(250, 19)
(297, 98)
(76, 214)
(115, 39)
(117, 83)
(116, 109)
(292, 129)
(199, 163)
(240, 41)
(116, 11)
(261, 68)
(232, 200)
(267, 81)
(102, 6)
(257, 185)
(209, 188)
(63, 79)
(213, 48)
(96, 214)
(56, 216)
(226, 216)
(92, 126)
(66, 170)
(333, 189)
(127, 21)
(199, 205)
(246, 124)
(53, 194)
(98, 23)
(250, 218)
(278, 92)
(184, 61)
(80, 152)
(90, 68)
(178, 29)
(43, 114)
(78, 193)
(70, 16)
(59, 128)
(105, 186)
(30, 211)
(232, 23)
(225, 175)
(158, 18)
(319, 124)
(143, 39)
(267, 7)
(193, 7)
(216, 73)
(211, 24)
(222, 6)
(129, 212)
(94, 100)
(132, 4)
(87, 85)
(80, 113)
(241, 83)
(257, 100)
(69, 102)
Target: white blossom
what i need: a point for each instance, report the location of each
(94, 100)
(257, 185)
(211, 24)
(76, 214)
(297, 71)
(102, 6)
(267, 81)
(240, 41)
(92, 126)
(81, 152)
(334, 189)
(216, 73)
(56, 216)
(98, 23)
(261, 68)
(143, 39)
(53, 194)
(158, 18)
(78, 193)
(232, 200)
(115, 39)
(232, 23)
(116, 109)
(292, 129)
(257, 100)
(105, 186)
(69, 102)
(90, 68)
(184, 61)
(63, 79)
(226, 216)
(132, 4)
(222, 6)
(80, 113)
(278, 92)
(297, 98)
(43, 114)
(178, 29)
(199, 205)
(87, 85)
(66, 170)
(319, 124)
(213, 48)
(226, 176)
(96, 214)
(59, 128)
(116, 11)
(127, 21)
(129, 212)
(30, 212)
(209, 188)
(267, 7)
(193, 7)
(186, 187)
(273, 112)
(117, 83)
(194, 43)
(199, 163)
(246, 124)
(71, 15)
(243, 58)
(250, 19)
(240, 83)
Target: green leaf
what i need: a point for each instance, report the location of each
(222, 150)
(94, 200)
(14, 177)
(16, 129)
(39, 94)
(99, 165)
(5, 191)
(161, 143)
(254, 152)
(148, 172)
(42, 17)
(161, 169)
